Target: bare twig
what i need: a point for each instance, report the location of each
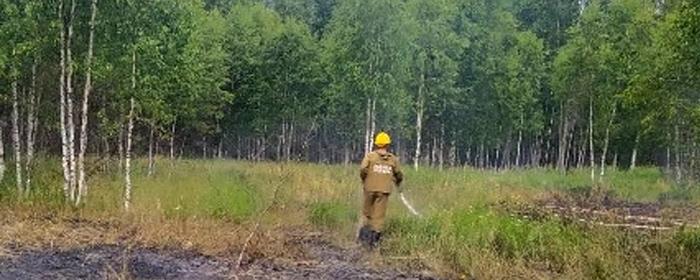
(259, 219)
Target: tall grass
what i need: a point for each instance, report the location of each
(464, 230)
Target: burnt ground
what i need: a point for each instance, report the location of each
(321, 260)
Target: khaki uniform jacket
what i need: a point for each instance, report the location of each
(380, 171)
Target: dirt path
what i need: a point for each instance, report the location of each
(323, 260)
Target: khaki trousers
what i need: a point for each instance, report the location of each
(374, 209)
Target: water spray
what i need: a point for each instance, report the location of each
(408, 205)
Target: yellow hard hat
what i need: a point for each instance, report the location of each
(382, 139)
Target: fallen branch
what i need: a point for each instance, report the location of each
(633, 226)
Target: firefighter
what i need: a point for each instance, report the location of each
(379, 172)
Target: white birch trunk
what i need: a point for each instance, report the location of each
(373, 131)
(2, 156)
(563, 140)
(30, 130)
(668, 159)
(606, 144)
(677, 154)
(453, 153)
(420, 108)
(127, 161)
(129, 131)
(441, 152)
(220, 149)
(82, 183)
(172, 140)
(151, 163)
(590, 138)
(633, 160)
(520, 142)
(70, 126)
(16, 144)
(281, 141)
(62, 91)
(368, 120)
(204, 147)
(290, 142)
(120, 146)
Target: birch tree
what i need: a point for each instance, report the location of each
(82, 183)
(2, 155)
(435, 52)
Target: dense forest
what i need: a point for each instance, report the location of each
(482, 83)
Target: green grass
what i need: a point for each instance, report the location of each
(331, 214)
(465, 230)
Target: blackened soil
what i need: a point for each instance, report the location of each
(325, 260)
(321, 260)
(111, 262)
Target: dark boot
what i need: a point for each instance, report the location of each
(365, 235)
(376, 239)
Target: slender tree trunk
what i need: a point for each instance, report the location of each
(151, 160)
(563, 141)
(692, 170)
(129, 132)
(368, 121)
(668, 159)
(520, 142)
(481, 155)
(373, 128)
(590, 138)
(63, 100)
(172, 140)
(453, 153)
(488, 160)
(548, 159)
(603, 157)
(30, 126)
(127, 161)
(120, 146)
(497, 159)
(82, 183)
(204, 148)
(420, 109)
(433, 152)
(677, 153)
(633, 160)
(469, 156)
(537, 152)
(238, 147)
(580, 152)
(290, 142)
(70, 124)
(220, 148)
(441, 152)
(281, 141)
(2, 156)
(16, 144)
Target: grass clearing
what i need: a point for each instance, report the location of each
(211, 206)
